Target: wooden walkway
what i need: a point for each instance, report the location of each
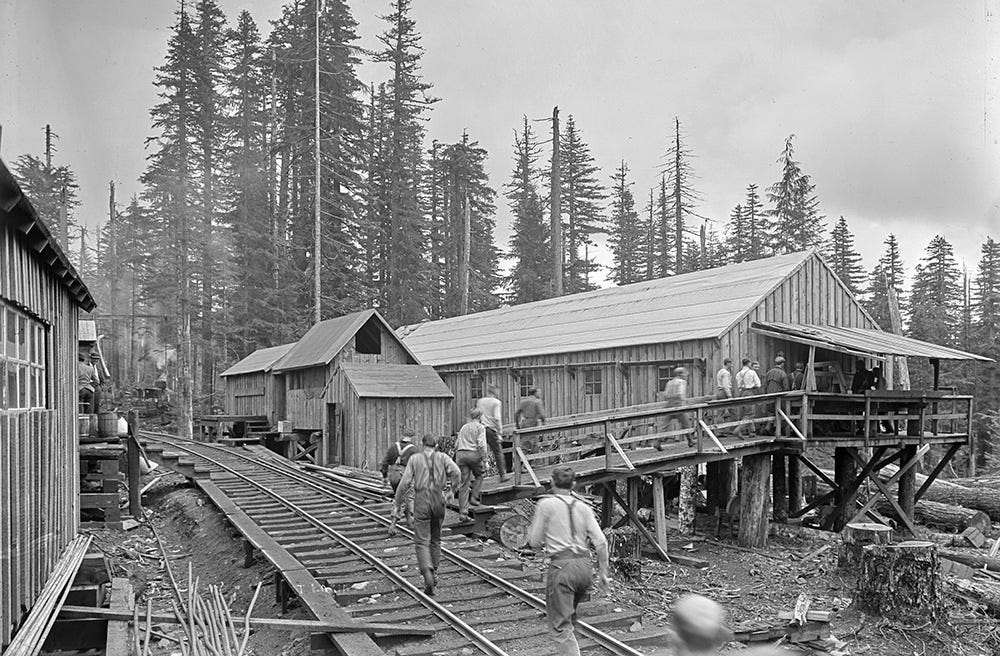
(618, 444)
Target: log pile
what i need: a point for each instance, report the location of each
(980, 497)
(943, 516)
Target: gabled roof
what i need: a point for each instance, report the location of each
(400, 381)
(17, 211)
(698, 305)
(326, 339)
(861, 341)
(260, 360)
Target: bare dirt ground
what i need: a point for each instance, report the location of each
(753, 585)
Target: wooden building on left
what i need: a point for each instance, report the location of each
(41, 296)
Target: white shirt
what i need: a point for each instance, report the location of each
(747, 378)
(724, 380)
(490, 407)
(551, 526)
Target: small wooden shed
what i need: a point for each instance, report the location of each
(617, 347)
(319, 397)
(252, 390)
(41, 296)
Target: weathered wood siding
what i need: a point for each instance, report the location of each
(39, 463)
(371, 424)
(811, 294)
(256, 394)
(305, 403)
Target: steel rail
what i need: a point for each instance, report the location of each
(458, 624)
(606, 641)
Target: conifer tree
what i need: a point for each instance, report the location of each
(407, 272)
(887, 274)
(648, 228)
(756, 225)
(844, 259)
(530, 248)
(666, 244)
(626, 236)
(936, 295)
(680, 195)
(583, 199)
(737, 236)
(46, 184)
(987, 298)
(795, 221)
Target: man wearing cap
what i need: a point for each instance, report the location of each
(674, 393)
(470, 454)
(426, 474)
(562, 525)
(395, 459)
(699, 626)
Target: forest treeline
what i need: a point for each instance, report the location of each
(221, 241)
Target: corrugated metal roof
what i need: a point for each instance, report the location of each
(395, 380)
(875, 342)
(260, 360)
(698, 305)
(325, 340)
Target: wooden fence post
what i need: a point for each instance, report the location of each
(132, 446)
(517, 458)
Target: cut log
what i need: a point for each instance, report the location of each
(988, 596)
(971, 558)
(977, 481)
(980, 497)
(509, 529)
(855, 537)
(943, 516)
(901, 582)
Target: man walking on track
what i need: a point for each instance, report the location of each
(395, 459)
(490, 407)
(470, 454)
(562, 524)
(427, 473)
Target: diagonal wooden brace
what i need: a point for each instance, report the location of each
(884, 488)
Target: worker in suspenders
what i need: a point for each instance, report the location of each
(427, 473)
(393, 465)
(562, 524)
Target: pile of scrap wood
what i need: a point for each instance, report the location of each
(801, 625)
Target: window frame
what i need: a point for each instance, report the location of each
(593, 387)
(26, 359)
(525, 382)
(476, 387)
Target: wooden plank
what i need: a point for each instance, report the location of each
(119, 636)
(659, 511)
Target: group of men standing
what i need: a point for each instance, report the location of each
(749, 383)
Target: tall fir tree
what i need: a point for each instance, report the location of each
(987, 297)
(530, 277)
(648, 228)
(844, 259)
(626, 237)
(406, 272)
(936, 295)
(795, 221)
(49, 185)
(583, 200)
(665, 250)
(756, 225)
(738, 236)
(887, 274)
(679, 196)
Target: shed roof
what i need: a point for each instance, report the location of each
(395, 381)
(861, 341)
(17, 211)
(698, 305)
(258, 361)
(326, 339)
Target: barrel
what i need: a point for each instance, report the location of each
(83, 421)
(94, 425)
(107, 425)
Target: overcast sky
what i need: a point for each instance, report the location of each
(893, 104)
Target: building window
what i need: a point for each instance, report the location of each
(526, 382)
(477, 388)
(663, 375)
(593, 382)
(22, 360)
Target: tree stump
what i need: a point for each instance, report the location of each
(686, 500)
(625, 550)
(901, 582)
(755, 500)
(509, 529)
(855, 537)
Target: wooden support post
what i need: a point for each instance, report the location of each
(908, 483)
(688, 477)
(804, 427)
(868, 424)
(712, 488)
(637, 522)
(972, 442)
(517, 458)
(779, 487)
(845, 473)
(607, 445)
(607, 503)
(754, 501)
(811, 371)
(699, 422)
(134, 493)
(632, 492)
(795, 497)
(659, 511)
(247, 553)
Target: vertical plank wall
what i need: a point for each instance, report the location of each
(39, 463)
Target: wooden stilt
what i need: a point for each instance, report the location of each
(686, 499)
(754, 500)
(779, 487)
(607, 503)
(795, 497)
(845, 474)
(632, 492)
(659, 511)
(908, 483)
(132, 452)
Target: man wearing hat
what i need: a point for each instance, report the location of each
(396, 457)
(699, 626)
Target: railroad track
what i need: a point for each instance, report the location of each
(486, 602)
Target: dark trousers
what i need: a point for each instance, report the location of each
(428, 515)
(470, 463)
(493, 441)
(748, 412)
(87, 397)
(566, 584)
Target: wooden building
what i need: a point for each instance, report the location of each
(617, 347)
(332, 380)
(252, 390)
(41, 296)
